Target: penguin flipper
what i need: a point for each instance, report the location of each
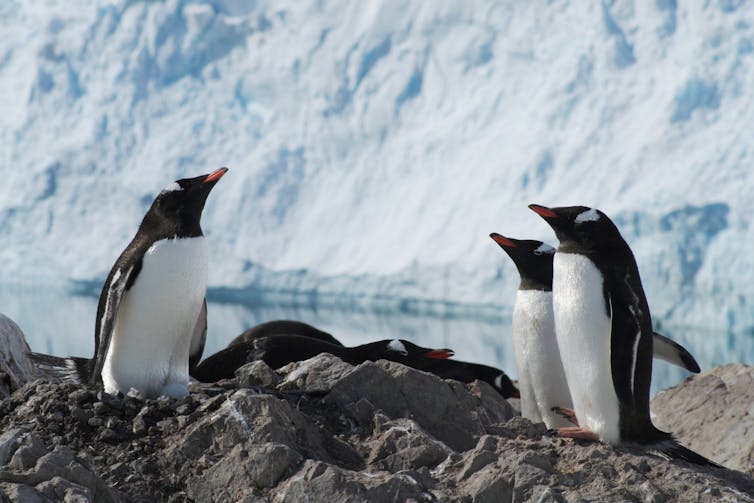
(116, 285)
(199, 337)
(71, 369)
(672, 352)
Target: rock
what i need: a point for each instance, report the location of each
(27, 455)
(21, 493)
(241, 471)
(257, 373)
(59, 489)
(329, 431)
(9, 442)
(315, 374)
(713, 414)
(403, 445)
(318, 481)
(405, 392)
(15, 367)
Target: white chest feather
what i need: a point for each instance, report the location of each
(583, 327)
(541, 377)
(149, 348)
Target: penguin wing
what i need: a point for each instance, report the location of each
(627, 320)
(199, 337)
(672, 352)
(118, 282)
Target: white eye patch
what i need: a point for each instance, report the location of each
(172, 187)
(589, 215)
(397, 346)
(499, 381)
(544, 248)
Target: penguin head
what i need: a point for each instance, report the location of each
(588, 228)
(503, 384)
(533, 259)
(402, 348)
(181, 203)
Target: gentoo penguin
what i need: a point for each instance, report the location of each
(468, 372)
(279, 350)
(541, 378)
(604, 331)
(151, 317)
(284, 327)
(444, 368)
(540, 372)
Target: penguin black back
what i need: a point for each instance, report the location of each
(285, 327)
(279, 350)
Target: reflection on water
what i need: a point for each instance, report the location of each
(56, 322)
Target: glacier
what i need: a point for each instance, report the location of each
(373, 146)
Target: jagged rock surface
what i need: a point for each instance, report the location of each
(325, 430)
(15, 367)
(713, 414)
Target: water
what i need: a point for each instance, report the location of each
(60, 323)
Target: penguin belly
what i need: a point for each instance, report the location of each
(582, 328)
(538, 358)
(149, 348)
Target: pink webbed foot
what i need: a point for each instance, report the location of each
(578, 433)
(568, 414)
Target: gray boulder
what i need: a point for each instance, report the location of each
(15, 367)
(713, 414)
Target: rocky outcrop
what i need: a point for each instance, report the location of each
(713, 414)
(15, 367)
(321, 430)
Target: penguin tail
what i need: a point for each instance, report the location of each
(669, 448)
(71, 369)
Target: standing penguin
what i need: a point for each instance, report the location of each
(540, 371)
(604, 332)
(541, 379)
(151, 317)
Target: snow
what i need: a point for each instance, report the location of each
(373, 146)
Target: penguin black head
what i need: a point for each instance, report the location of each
(503, 384)
(533, 260)
(177, 210)
(409, 350)
(585, 228)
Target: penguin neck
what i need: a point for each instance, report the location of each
(533, 284)
(165, 228)
(363, 352)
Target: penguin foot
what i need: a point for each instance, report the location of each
(578, 433)
(568, 414)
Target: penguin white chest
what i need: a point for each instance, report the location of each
(149, 348)
(543, 382)
(583, 329)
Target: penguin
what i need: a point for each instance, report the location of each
(279, 350)
(469, 372)
(541, 378)
(151, 317)
(284, 327)
(544, 391)
(442, 367)
(604, 332)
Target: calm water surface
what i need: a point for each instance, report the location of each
(57, 322)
